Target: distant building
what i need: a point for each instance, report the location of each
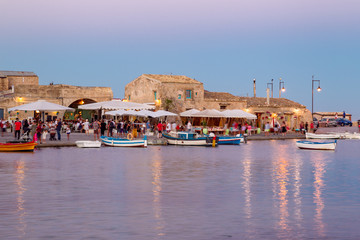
(180, 93)
(17, 87)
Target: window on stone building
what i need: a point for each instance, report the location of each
(155, 95)
(179, 96)
(129, 98)
(188, 94)
(222, 107)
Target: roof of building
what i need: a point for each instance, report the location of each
(331, 113)
(274, 102)
(171, 78)
(220, 96)
(16, 73)
(251, 101)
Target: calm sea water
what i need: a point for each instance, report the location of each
(259, 190)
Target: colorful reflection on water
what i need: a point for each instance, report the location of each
(259, 190)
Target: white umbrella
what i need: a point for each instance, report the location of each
(115, 105)
(210, 113)
(162, 113)
(121, 112)
(115, 112)
(40, 105)
(237, 113)
(189, 113)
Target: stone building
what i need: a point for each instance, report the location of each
(180, 93)
(18, 88)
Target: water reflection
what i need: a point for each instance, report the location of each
(21, 212)
(156, 167)
(280, 189)
(319, 171)
(297, 191)
(246, 185)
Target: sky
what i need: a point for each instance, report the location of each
(224, 44)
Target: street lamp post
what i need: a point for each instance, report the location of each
(281, 87)
(272, 87)
(312, 94)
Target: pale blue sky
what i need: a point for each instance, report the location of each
(224, 44)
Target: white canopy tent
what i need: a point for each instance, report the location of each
(209, 113)
(40, 105)
(115, 105)
(237, 113)
(189, 113)
(162, 113)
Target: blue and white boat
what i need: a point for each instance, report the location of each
(227, 140)
(124, 142)
(189, 139)
(316, 145)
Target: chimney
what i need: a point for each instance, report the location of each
(267, 96)
(254, 87)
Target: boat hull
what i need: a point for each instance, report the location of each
(202, 141)
(223, 140)
(18, 147)
(123, 142)
(322, 136)
(316, 145)
(88, 144)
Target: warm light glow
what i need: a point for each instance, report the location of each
(274, 115)
(247, 110)
(125, 100)
(81, 102)
(319, 89)
(37, 111)
(157, 101)
(283, 89)
(296, 110)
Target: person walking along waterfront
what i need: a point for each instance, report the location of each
(96, 127)
(58, 129)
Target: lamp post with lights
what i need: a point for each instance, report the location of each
(312, 94)
(281, 87)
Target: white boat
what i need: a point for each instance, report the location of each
(316, 145)
(124, 142)
(88, 144)
(189, 139)
(351, 135)
(323, 136)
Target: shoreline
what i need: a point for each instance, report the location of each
(153, 141)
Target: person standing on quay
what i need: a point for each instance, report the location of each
(17, 128)
(283, 128)
(96, 130)
(103, 127)
(58, 129)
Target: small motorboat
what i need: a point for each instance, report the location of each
(190, 139)
(323, 136)
(18, 146)
(124, 142)
(88, 144)
(354, 135)
(227, 140)
(311, 145)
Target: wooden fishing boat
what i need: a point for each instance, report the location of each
(88, 144)
(227, 140)
(323, 136)
(124, 142)
(18, 146)
(316, 145)
(189, 139)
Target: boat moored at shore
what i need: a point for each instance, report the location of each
(189, 139)
(312, 145)
(124, 142)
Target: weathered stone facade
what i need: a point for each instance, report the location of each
(169, 92)
(31, 91)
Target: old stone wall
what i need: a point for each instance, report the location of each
(4, 84)
(23, 80)
(224, 105)
(142, 90)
